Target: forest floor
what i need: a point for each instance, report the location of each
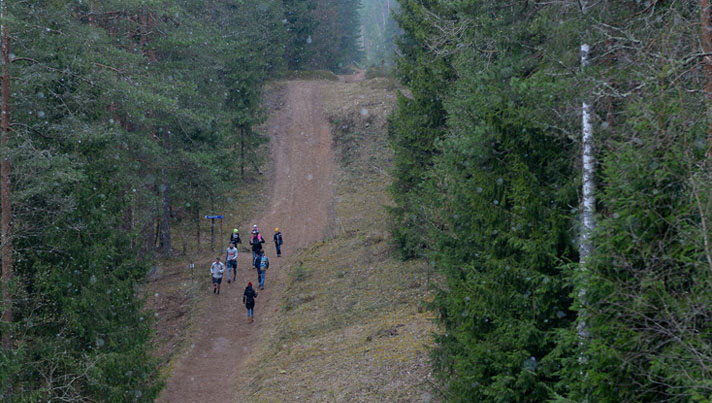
(339, 320)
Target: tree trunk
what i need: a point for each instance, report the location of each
(148, 231)
(242, 152)
(5, 185)
(197, 228)
(706, 36)
(92, 17)
(166, 220)
(588, 188)
(156, 231)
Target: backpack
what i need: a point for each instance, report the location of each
(264, 264)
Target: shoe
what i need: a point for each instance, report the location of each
(262, 288)
(228, 281)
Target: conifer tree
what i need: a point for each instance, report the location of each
(115, 104)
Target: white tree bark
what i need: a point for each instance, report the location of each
(589, 163)
(588, 223)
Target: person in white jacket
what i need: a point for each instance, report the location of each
(231, 259)
(216, 270)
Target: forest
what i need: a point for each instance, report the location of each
(553, 164)
(123, 120)
(551, 167)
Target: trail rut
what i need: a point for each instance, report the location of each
(299, 200)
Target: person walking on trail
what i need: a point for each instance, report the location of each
(278, 241)
(235, 237)
(256, 241)
(216, 270)
(248, 298)
(262, 266)
(231, 259)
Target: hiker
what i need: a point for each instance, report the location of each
(256, 241)
(231, 259)
(217, 269)
(262, 266)
(248, 298)
(278, 241)
(235, 237)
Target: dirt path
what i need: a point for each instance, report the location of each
(299, 202)
(359, 75)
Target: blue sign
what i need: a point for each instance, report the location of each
(212, 217)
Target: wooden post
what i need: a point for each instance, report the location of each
(221, 238)
(212, 234)
(197, 228)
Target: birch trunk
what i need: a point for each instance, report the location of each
(588, 186)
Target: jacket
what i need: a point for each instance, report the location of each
(231, 254)
(256, 242)
(248, 298)
(278, 238)
(217, 269)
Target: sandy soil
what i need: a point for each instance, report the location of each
(300, 200)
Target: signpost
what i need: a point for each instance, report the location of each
(212, 219)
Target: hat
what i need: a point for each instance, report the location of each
(249, 284)
(254, 225)
(235, 230)
(276, 230)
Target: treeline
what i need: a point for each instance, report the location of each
(334, 32)
(540, 301)
(379, 31)
(122, 120)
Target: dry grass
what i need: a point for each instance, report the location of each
(351, 325)
(311, 75)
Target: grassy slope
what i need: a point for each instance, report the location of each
(350, 326)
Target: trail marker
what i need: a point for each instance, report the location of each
(212, 219)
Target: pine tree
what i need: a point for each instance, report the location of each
(121, 127)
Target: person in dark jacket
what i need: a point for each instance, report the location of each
(248, 298)
(278, 241)
(235, 237)
(256, 241)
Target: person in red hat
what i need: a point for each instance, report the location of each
(248, 298)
